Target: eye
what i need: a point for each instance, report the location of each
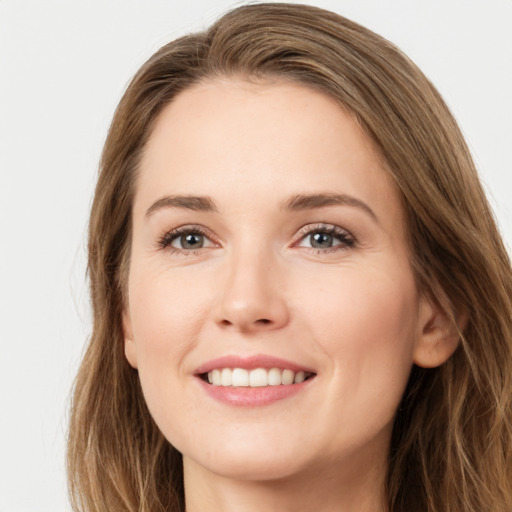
(186, 239)
(325, 237)
(189, 241)
(321, 240)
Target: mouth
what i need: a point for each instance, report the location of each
(255, 378)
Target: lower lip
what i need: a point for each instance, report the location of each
(252, 397)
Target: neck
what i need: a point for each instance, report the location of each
(325, 490)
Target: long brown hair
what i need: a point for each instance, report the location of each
(451, 448)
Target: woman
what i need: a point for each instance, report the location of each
(300, 295)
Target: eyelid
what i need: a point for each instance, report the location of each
(164, 241)
(348, 239)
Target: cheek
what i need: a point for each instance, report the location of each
(366, 324)
(166, 322)
(165, 313)
(361, 306)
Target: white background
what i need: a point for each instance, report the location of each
(63, 67)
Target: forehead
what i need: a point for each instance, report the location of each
(235, 138)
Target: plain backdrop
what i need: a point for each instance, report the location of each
(63, 67)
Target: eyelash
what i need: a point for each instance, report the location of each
(168, 238)
(346, 238)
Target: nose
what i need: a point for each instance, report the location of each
(252, 296)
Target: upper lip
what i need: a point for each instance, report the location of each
(250, 362)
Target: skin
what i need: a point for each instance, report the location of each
(350, 312)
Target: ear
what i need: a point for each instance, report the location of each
(130, 350)
(439, 334)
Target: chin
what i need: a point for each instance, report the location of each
(254, 468)
(254, 456)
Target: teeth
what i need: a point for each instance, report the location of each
(259, 377)
(287, 377)
(299, 377)
(215, 377)
(225, 377)
(239, 377)
(274, 377)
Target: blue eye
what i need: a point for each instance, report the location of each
(321, 240)
(326, 237)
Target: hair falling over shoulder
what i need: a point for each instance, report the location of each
(451, 449)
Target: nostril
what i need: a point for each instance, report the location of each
(262, 321)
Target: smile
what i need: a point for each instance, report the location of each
(255, 378)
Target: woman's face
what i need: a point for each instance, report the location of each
(269, 246)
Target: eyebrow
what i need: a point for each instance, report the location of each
(294, 203)
(195, 203)
(312, 201)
